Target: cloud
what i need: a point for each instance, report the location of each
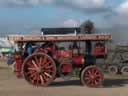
(85, 3)
(121, 17)
(11, 3)
(118, 20)
(80, 3)
(75, 3)
(71, 23)
(85, 6)
(123, 8)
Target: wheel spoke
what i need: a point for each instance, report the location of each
(42, 80)
(93, 71)
(95, 82)
(48, 67)
(45, 77)
(35, 65)
(29, 63)
(33, 76)
(88, 81)
(48, 70)
(92, 83)
(87, 78)
(36, 60)
(47, 74)
(40, 61)
(97, 74)
(29, 72)
(33, 69)
(89, 72)
(44, 60)
(45, 65)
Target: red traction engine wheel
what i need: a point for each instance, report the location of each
(91, 76)
(39, 69)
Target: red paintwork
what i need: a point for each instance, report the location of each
(99, 50)
(65, 68)
(64, 53)
(78, 60)
(18, 66)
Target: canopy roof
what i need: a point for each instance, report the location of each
(71, 37)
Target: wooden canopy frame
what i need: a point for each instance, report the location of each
(79, 37)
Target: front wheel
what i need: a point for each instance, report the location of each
(91, 76)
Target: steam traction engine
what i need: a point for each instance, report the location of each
(42, 63)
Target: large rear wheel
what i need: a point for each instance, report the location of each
(39, 69)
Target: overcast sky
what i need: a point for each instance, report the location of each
(22, 16)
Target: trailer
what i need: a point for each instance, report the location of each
(117, 59)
